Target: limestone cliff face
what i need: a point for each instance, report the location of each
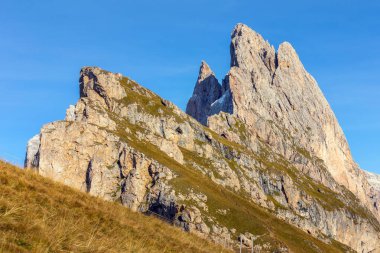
(374, 182)
(206, 91)
(32, 152)
(255, 175)
(275, 97)
(275, 86)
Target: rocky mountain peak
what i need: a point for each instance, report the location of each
(272, 145)
(249, 48)
(94, 81)
(204, 71)
(207, 90)
(287, 56)
(275, 98)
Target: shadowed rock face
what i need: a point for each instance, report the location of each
(273, 163)
(32, 155)
(207, 90)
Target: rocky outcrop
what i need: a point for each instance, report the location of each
(251, 176)
(207, 90)
(32, 152)
(276, 87)
(275, 98)
(373, 180)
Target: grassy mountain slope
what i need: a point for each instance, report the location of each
(143, 121)
(39, 215)
(244, 215)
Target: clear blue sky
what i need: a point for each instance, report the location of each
(160, 44)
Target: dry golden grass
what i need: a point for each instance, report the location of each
(39, 215)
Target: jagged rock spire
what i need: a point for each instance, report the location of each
(292, 153)
(207, 90)
(248, 49)
(273, 89)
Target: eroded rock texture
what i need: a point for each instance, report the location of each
(207, 90)
(273, 165)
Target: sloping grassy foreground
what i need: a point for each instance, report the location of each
(39, 215)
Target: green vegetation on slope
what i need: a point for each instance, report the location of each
(243, 215)
(39, 215)
(277, 164)
(146, 100)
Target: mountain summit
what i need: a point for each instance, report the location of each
(273, 89)
(207, 90)
(261, 159)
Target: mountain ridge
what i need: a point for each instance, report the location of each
(123, 142)
(280, 80)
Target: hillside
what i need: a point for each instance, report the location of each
(137, 172)
(39, 215)
(261, 157)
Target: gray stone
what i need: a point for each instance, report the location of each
(207, 90)
(32, 152)
(276, 142)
